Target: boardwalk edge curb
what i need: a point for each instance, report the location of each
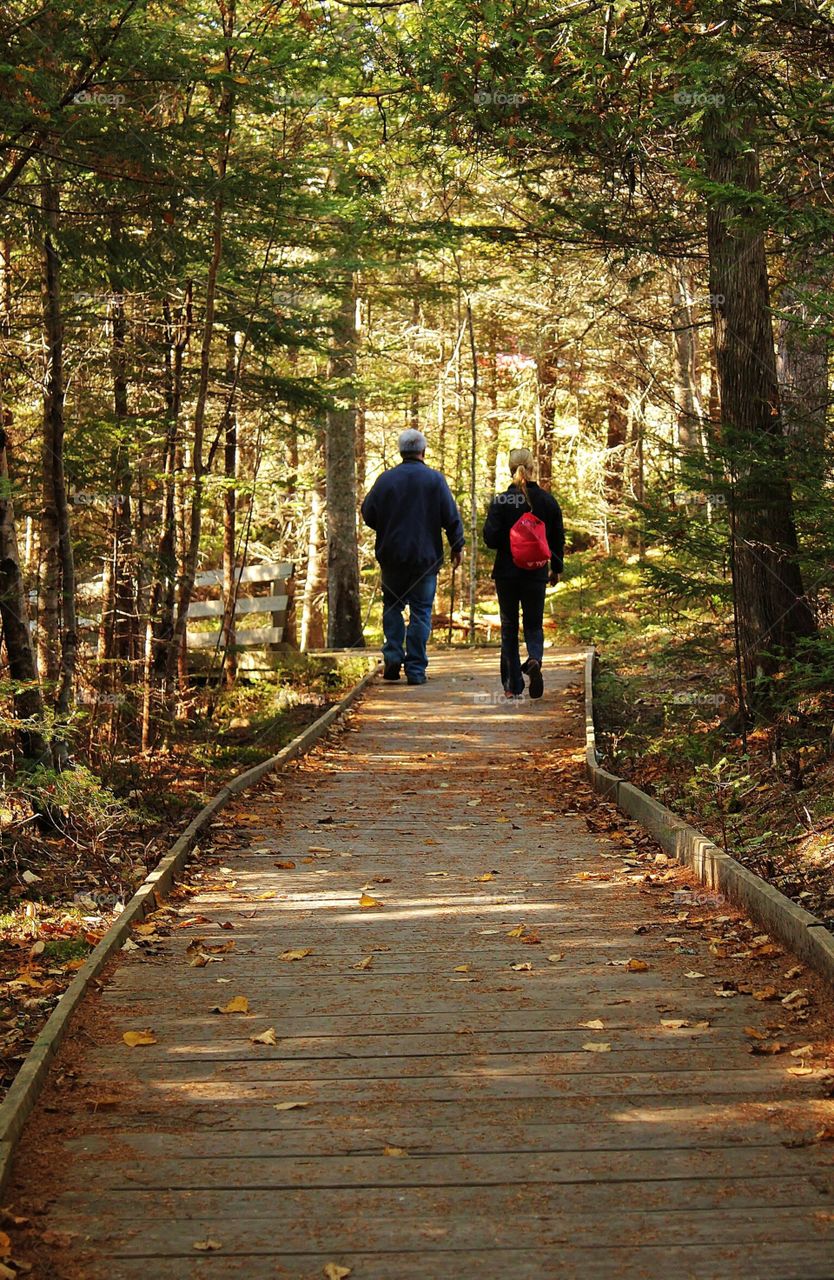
(800, 931)
(23, 1094)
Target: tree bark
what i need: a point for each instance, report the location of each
(687, 366)
(804, 352)
(344, 614)
(195, 515)
(14, 604)
(59, 576)
(772, 609)
(315, 577)
(230, 515)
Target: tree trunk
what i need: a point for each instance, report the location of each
(14, 603)
(804, 351)
(546, 378)
(771, 605)
(188, 567)
(615, 442)
(687, 366)
(60, 571)
(344, 614)
(230, 515)
(315, 578)
(160, 624)
(493, 420)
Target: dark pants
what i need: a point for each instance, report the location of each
(515, 593)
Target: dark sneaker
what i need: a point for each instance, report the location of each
(392, 671)
(534, 675)
(416, 679)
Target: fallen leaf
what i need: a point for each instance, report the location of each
(367, 901)
(694, 974)
(364, 964)
(289, 1106)
(596, 1024)
(556, 957)
(825, 1134)
(766, 993)
(266, 1037)
(597, 1046)
(5, 1244)
(523, 966)
(461, 968)
(796, 999)
(237, 1004)
(754, 1034)
(767, 1047)
(795, 972)
(489, 875)
(29, 877)
(800, 1071)
(332, 1271)
(394, 1151)
(517, 932)
(802, 1051)
(134, 1038)
(296, 955)
(286, 865)
(6, 1273)
(264, 897)
(207, 1246)
(674, 1024)
(637, 966)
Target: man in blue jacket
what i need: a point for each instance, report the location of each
(409, 506)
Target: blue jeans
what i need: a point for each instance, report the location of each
(417, 590)
(529, 596)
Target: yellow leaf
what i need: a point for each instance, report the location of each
(134, 1038)
(5, 1244)
(207, 1246)
(364, 964)
(296, 955)
(237, 1004)
(800, 1071)
(637, 966)
(264, 897)
(517, 932)
(802, 1051)
(674, 1024)
(367, 901)
(266, 1037)
(597, 1046)
(489, 875)
(394, 1151)
(461, 968)
(596, 1024)
(523, 967)
(556, 957)
(332, 1271)
(6, 1273)
(289, 1106)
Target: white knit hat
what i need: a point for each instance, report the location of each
(412, 441)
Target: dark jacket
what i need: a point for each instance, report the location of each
(409, 506)
(508, 507)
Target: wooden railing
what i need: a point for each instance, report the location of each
(277, 575)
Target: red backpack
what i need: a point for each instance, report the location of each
(529, 547)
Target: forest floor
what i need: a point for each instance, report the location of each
(76, 845)
(665, 704)
(429, 1007)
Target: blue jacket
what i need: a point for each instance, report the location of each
(409, 506)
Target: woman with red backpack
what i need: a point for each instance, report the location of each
(524, 527)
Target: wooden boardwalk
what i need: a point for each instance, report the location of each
(473, 1104)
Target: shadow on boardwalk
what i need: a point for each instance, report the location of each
(469, 1078)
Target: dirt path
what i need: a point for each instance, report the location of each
(486, 1087)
